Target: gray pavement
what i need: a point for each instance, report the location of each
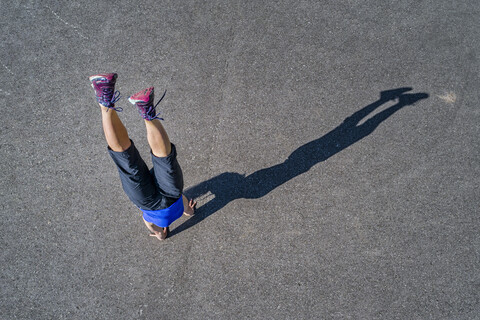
(319, 198)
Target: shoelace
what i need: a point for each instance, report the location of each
(107, 92)
(151, 109)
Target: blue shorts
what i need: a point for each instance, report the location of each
(164, 217)
(150, 190)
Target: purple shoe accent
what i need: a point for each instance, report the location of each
(143, 100)
(104, 85)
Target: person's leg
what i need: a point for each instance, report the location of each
(168, 174)
(137, 182)
(115, 132)
(161, 147)
(158, 138)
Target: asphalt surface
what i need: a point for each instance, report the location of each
(333, 147)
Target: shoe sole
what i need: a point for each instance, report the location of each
(143, 92)
(99, 76)
(133, 101)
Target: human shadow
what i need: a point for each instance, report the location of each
(230, 186)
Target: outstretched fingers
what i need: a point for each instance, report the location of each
(162, 235)
(190, 209)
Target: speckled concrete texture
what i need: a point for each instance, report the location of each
(333, 148)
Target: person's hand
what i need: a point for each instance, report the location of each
(190, 209)
(162, 235)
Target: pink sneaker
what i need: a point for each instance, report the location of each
(144, 102)
(104, 85)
